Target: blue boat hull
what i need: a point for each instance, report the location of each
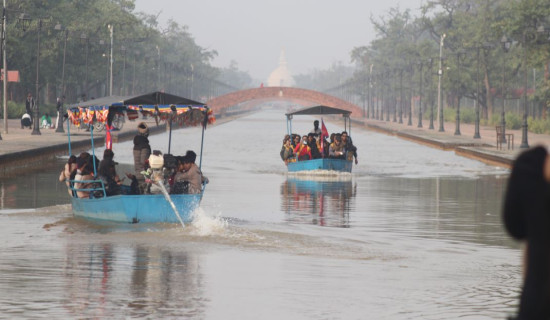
(137, 208)
(321, 164)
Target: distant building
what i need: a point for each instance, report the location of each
(281, 76)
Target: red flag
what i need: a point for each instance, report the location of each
(108, 137)
(324, 134)
(324, 131)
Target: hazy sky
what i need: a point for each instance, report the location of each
(313, 33)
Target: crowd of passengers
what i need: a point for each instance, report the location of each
(315, 146)
(153, 172)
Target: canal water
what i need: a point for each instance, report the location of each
(412, 233)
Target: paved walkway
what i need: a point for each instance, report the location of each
(18, 140)
(483, 149)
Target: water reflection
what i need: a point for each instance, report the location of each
(320, 201)
(142, 280)
(34, 190)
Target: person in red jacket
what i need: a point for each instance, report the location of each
(302, 150)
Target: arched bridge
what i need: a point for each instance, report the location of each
(303, 97)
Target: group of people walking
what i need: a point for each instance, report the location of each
(315, 145)
(154, 172)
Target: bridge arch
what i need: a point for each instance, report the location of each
(304, 97)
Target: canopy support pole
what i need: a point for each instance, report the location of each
(93, 148)
(289, 125)
(68, 132)
(204, 123)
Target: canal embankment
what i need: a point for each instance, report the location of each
(462, 142)
(20, 151)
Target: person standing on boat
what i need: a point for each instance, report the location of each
(316, 130)
(302, 150)
(527, 218)
(190, 173)
(142, 151)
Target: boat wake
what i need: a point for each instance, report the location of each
(205, 225)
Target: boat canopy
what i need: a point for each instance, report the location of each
(157, 104)
(320, 110)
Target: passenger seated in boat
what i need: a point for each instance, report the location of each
(189, 173)
(142, 151)
(282, 153)
(107, 173)
(68, 169)
(351, 150)
(302, 150)
(287, 153)
(84, 172)
(295, 140)
(336, 149)
(312, 143)
(325, 147)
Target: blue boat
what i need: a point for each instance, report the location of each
(147, 208)
(323, 164)
(143, 208)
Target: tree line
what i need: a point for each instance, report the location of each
(75, 49)
(492, 52)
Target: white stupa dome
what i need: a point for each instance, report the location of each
(281, 76)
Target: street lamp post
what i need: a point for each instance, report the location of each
(505, 46)
(123, 86)
(401, 95)
(394, 98)
(158, 66)
(459, 94)
(431, 127)
(5, 70)
(25, 21)
(476, 126)
(440, 73)
(420, 96)
(84, 38)
(409, 122)
(59, 124)
(111, 27)
(379, 87)
(388, 95)
(524, 132)
(192, 79)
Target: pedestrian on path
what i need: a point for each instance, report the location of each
(527, 218)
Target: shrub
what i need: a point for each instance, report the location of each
(539, 125)
(467, 115)
(513, 121)
(449, 114)
(16, 110)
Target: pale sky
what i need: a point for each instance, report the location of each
(313, 33)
